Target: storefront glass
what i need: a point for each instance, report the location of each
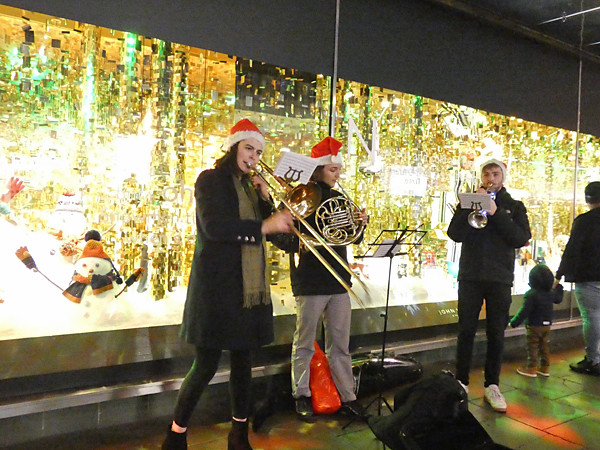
(109, 131)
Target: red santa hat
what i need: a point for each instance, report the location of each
(242, 130)
(497, 162)
(93, 249)
(327, 151)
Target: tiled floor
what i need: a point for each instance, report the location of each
(559, 412)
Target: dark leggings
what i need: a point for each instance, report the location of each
(202, 371)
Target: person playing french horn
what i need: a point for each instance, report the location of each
(486, 271)
(318, 293)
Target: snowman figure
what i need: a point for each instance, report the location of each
(94, 286)
(68, 221)
(95, 274)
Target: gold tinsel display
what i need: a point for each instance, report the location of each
(128, 122)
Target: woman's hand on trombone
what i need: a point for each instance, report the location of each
(279, 222)
(261, 187)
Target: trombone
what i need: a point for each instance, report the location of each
(302, 201)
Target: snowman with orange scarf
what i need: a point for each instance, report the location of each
(95, 283)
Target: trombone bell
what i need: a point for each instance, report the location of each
(304, 199)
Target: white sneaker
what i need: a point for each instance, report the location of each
(494, 397)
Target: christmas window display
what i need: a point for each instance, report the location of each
(109, 131)
(428, 151)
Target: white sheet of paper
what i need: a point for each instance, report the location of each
(475, 201)
(293, 167)
(384, 248)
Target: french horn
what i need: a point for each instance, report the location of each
(338, 220)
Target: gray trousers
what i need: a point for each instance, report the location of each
(336, 320)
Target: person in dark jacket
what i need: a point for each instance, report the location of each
(318, 293)
(486, 271)
(228, 305)
(537, 312)
(580, 263)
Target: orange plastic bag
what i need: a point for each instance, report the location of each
(325, 397)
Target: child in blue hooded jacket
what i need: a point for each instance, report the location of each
(537, 314)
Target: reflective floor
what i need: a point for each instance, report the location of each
(559, 412)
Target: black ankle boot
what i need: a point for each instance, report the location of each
(238, 436)
(175, 441)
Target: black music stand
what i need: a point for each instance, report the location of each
(388, 244)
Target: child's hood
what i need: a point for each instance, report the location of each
(541, 277)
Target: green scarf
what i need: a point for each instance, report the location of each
(254, 273)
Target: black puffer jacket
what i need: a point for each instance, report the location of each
(581, 259)
(488, 254)
(538, 302)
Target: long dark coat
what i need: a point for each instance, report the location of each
(213, 316)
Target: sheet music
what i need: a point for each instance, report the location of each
(405, 241)
(293, 167)
(385, 247)
(475, 201)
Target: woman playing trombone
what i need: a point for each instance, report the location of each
(228, 305)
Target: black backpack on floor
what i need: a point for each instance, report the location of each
(432, 414)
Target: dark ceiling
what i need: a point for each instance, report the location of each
(555, 22)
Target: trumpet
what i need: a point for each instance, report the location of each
(478, 218)
(302, 201)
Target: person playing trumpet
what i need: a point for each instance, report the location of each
(318, 293)
(228, 304)
(486, 272)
